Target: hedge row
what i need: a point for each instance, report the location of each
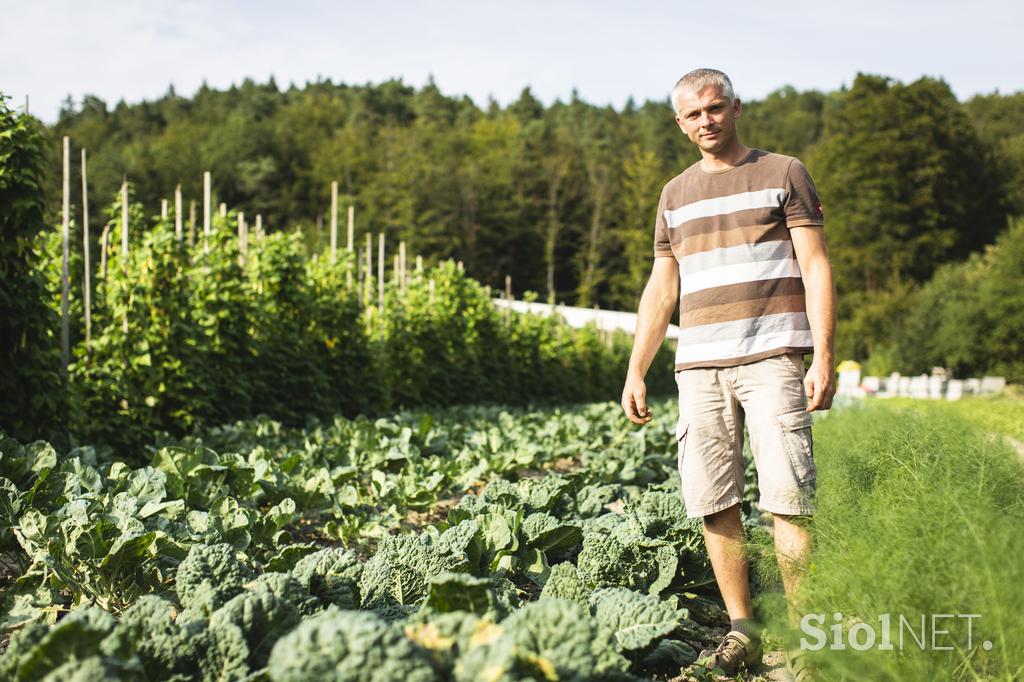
(185, 335)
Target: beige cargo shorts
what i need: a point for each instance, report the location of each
(768, 395)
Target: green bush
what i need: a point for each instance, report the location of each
(970, 316)
(34, 402)
(186, 335)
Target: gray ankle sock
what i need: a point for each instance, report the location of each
(746, 626)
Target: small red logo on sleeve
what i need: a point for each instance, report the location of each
(820, 212)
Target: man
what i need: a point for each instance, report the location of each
(739, 239)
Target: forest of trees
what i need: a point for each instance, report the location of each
(562, 197)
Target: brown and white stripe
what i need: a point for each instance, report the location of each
(741, 294)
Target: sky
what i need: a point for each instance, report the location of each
(608, 51)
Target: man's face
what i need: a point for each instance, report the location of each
(708, 118)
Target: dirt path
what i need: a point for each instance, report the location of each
(772, 669)
(1016, 445)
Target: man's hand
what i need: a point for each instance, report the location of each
(820, 385)
(634, 401)
(659, 300)
(816, 271)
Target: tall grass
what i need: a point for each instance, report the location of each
(919, 513)
(1002, 414)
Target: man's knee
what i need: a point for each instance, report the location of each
(799, 520)
(725, 518)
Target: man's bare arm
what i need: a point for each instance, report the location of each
(816, 271)
(659, 300)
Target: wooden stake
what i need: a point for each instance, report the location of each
(358, 276)
(462, 268)
(87, 283)
(163, 209)
(401, 266)
(351, 227)
(124, 225)
(380, 270)
(368, 271)
(191, 221)
(508, 298)
(104, 238)
(419, 263)
(177, 212)
(65, 292)
(334, 221)
(243, 239)
(223, 210)
(259, 226)
(206, 211)
(350, 244)
(124, 244)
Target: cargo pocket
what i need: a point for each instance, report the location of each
(681, 429)
(798, 442)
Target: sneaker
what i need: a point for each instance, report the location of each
(735, 649)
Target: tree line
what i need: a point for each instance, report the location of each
(562, 197)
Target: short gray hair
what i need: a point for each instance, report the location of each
(699, 79)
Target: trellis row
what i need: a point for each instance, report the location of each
(400, 277)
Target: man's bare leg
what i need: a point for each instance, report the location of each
(792, 543)
(724, 538)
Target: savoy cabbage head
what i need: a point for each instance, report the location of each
(449, 592)
(546, 639)
(331, 575)
(209, 576)
(564, 582)
(147, 630)
(609, 561)
(223, 653)
(447, 635)
(285, 587)
(591, 499)
(39, 651)
(462, 539)
(400, 570)
(348, 646)
(548, 534)
(262, 617)
(634, 621)
(661, 515)
(89, 670)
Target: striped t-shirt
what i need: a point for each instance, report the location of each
(741, 295)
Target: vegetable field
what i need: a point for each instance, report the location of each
(481, 544)
(273, 552)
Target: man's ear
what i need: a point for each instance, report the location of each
(737, 107)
